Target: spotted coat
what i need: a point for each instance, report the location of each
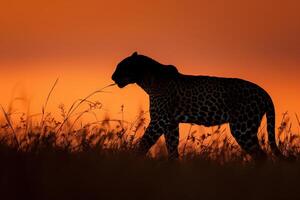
(178, 98)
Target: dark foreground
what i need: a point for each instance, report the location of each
(53, 174)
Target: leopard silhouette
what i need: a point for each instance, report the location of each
(204, 100)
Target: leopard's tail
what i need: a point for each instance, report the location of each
(270, 114)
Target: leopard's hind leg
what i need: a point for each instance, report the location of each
(245, 132)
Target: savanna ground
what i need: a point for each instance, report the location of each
(49, 158)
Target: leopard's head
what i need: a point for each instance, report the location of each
(137, 68)
(127, 71)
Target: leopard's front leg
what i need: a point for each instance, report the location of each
(172, 140)
(154, 131)
(151, 135)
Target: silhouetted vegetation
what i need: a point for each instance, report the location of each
(60, 159)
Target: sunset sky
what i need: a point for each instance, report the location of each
(82, 41)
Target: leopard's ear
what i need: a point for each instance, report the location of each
(171, 69)
(134, 54)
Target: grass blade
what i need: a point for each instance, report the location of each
(10, 125)
(46, 103)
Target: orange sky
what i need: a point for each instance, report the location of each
(82, 41)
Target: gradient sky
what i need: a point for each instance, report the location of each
(82, 41)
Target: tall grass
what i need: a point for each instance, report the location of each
(118, 135)
(43, 157)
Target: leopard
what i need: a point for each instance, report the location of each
(176, 98)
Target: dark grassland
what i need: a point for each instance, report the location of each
(60, 159)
